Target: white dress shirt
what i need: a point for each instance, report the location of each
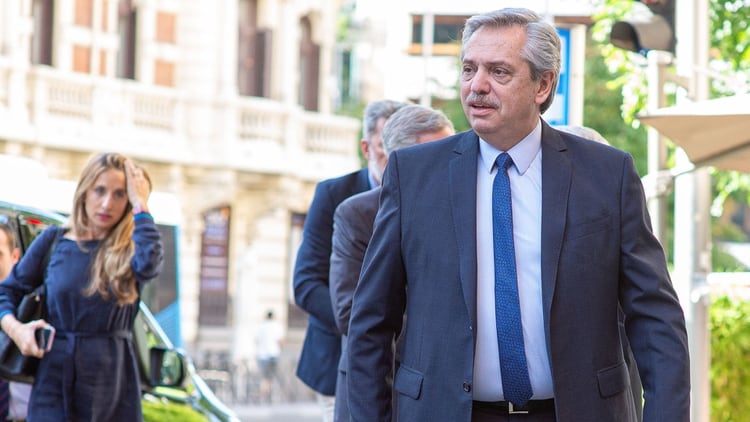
(526, 194)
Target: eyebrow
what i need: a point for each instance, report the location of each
(489, 63)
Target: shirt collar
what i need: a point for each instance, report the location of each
(371, 180)
(522, 153)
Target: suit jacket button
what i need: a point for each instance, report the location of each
(467, 387)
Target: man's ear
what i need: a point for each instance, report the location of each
(545, 86)
(15, 255)
(364, 146)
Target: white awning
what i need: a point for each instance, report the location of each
(712, 132)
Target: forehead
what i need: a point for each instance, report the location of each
(4, 241)
(112, 178)
(491, 43)
(432, 136)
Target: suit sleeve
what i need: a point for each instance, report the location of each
(311, 291)
(654, 319)
(348, 252)
(378, 309)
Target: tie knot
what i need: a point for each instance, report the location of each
(504, 161)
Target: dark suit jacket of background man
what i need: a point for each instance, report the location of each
(318, 363)
(352, 229)
(596, 246)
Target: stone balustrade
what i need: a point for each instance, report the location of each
(52, 108)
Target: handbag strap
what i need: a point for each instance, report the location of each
(48, 254)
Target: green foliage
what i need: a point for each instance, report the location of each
(601, 109)
(344, 20)
(727, 232)
(627, 69)
(730, 42)
(730, 58)
(352, 109)
(454, 111)
(160, 410)
(729, 185)
(724, 262)
(730, 349)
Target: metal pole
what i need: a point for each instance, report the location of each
(657, 150)
(428, 31)
(692, 249)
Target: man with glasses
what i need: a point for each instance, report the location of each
(14, 396)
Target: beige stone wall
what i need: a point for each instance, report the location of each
(201, 143)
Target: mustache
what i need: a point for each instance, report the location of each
(479, 100)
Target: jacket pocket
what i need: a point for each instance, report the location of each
(577, 230)
(612, 380)
(408, 382)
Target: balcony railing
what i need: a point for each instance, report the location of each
(62, 109)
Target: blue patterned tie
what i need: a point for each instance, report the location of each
(515, 374)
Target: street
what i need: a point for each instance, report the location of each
(292, 412)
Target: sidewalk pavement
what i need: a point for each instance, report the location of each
(284, 412)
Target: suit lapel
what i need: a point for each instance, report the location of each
(462, 171)
(556, 179)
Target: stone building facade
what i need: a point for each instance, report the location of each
(227, 105)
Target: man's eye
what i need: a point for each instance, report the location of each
(498, 73)
(467, 71)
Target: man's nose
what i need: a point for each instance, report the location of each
(480, 82)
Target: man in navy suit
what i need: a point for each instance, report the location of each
(318, 363)
(352, 225)
(583, 245)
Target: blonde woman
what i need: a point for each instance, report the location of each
(95, 273)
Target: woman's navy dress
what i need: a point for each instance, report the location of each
(91, 373)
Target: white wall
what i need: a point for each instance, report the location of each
(385, 68)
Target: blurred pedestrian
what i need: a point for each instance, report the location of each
(109, 248)
(268, 341)
(318, 363)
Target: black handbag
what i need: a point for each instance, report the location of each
(13, 365)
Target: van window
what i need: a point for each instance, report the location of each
(30, 226)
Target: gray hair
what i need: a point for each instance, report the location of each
(375, 111)
(404, 127)
(584, 132)
(542, 49)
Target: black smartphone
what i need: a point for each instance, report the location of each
(44, 338)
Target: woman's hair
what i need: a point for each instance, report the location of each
(110, 270)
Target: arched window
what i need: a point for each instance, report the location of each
(309, 67)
